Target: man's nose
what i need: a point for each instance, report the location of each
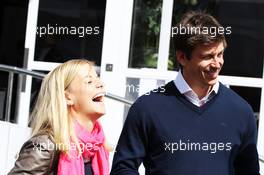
(217, 62)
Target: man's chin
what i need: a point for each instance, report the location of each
(212, 82)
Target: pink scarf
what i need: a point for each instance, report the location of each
(92, 145)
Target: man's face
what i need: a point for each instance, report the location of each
(203, 68)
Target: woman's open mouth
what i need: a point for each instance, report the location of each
(99, 97)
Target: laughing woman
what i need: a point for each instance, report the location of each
(66, 137)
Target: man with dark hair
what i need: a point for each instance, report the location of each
(193, 125)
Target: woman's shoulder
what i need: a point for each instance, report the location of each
(42, 141)
(37, 154)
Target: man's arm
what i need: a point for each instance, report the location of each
(247, 161)
(130, 150)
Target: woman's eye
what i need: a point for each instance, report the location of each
(89, 82)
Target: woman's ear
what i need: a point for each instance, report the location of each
(181, 57)
(69, 98)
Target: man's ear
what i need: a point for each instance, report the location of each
(181, 57)
(69, 98)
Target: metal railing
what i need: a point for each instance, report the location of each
(20, 71)
(261, 159)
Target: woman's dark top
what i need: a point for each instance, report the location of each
(88, 168)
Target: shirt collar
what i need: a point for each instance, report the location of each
(183, 86)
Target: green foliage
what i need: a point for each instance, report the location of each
(147, 23)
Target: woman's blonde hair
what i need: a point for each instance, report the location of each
(50, 114)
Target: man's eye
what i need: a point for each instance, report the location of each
(207, 57)
(220, 54)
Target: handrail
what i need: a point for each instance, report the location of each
(21, 71)
(16, 70)
(118, 98)
(261, 159)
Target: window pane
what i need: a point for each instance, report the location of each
(244, 55)
(70, 29)
(13, 21)
(145, 34)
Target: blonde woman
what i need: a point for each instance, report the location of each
(66, 137)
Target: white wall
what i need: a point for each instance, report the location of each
(261, 168)
(12, 137)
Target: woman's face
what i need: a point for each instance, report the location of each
(85, 94)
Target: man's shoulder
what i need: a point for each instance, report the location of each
(234, 100)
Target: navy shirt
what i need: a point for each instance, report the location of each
(172, 136)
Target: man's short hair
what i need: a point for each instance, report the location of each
(196, 29)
